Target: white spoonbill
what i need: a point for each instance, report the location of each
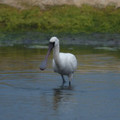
(63, 63)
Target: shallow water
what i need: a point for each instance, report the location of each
(26, 93)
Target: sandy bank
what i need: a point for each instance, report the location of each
(42, 3)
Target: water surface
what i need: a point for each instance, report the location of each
(26, 93)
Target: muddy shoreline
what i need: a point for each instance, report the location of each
(37, 38)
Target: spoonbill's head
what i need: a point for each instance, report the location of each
(52, 43)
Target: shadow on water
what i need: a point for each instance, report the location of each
(61, 95)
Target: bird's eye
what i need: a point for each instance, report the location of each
(52, 43)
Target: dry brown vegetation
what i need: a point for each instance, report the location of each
(42, 3)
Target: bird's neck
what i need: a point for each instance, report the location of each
(56, 52)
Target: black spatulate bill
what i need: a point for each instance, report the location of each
(43, 64)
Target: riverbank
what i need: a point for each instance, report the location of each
(86, 25)
(38, 40)
(60, 19)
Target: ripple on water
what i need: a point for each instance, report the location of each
(27, 93)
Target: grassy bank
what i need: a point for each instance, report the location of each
(61, 19)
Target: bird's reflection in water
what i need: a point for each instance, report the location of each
(61, 94)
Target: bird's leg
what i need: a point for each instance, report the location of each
(70, 76)
(63, 79)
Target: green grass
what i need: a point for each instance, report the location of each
(61, 19)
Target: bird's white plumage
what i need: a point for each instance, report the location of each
(63, 63)
(67, 64)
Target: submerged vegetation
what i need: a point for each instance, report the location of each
(61, 19)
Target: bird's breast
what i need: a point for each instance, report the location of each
(65, 65)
